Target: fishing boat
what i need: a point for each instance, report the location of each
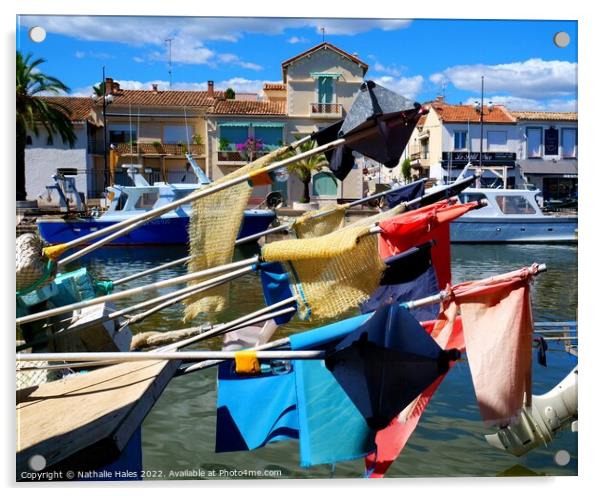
(511, 216)
(129, 201)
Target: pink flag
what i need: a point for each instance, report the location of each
(496, 330)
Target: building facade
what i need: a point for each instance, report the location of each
(449, 137)
(547, 154)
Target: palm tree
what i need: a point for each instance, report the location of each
(33, 111)
(99, 90)
(304, 167)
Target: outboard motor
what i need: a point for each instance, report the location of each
(539, 423)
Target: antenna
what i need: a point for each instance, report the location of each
(168, 41)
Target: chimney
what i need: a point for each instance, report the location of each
(210, 88)
(440, 99)
(155, 88)
(116, 88)
(108, 86)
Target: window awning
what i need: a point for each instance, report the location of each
(540, 166)
(267, 124)
(317, 75)
(234, 124)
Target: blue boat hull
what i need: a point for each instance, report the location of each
(475, 229)
(161, 231)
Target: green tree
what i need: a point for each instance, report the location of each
(99, 90)
(406, 170)
(303, 168)
(229, 93)
(34, 112)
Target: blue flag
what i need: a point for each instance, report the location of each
(276, 288)
(408, 193)
(408, 276)
(297, 399)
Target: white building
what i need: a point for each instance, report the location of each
(547, 153)
(43, 156)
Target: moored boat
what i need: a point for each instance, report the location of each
(129, 201)
(511, 216)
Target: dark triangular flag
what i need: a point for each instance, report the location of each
(386, 363)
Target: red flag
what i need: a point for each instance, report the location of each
(415, 227)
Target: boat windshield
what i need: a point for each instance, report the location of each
(513, 204)
(471, 197)
(146, 201)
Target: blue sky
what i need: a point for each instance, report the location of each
(419, 58)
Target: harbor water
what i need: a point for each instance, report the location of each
(178, 436)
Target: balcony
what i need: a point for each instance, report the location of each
(325, 110)
(234, 156)
(149, 149)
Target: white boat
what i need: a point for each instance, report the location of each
(511, 216)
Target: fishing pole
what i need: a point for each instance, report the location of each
(137, 290)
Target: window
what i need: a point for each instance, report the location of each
(270, 135)
(325, 89)
(459, 140)
(28, 140)
(534, 142)
(324, 185)
(569, 143)
(510, 204)
(497, 141)
(146, 201)
(231, 135)
(471, 197)
(424, 145)
(121, 134)
(550, 141)
(177, 134)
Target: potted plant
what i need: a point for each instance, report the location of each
(250, 148)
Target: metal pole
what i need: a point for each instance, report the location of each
(481, 119)
(104, 122)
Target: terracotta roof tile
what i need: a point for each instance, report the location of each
(78, 107)
(245, 107)
(274, 86)
(165, 98)
(545, 116)
(467, 113)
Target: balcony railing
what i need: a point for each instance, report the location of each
(236, 156)
(151, 149)
(326, 109)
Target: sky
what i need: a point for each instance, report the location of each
(420, 58)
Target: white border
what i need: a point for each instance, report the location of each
(589, 152)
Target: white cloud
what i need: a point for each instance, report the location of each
(296, 39)
(391, 70)
(533, 78)
(230, 58)
(190, 34)
(154, 30)
(520, 103)
(80, 54)
(405, 86)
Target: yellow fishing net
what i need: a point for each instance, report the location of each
(214, 224)
(332, 273)
(321, 222)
